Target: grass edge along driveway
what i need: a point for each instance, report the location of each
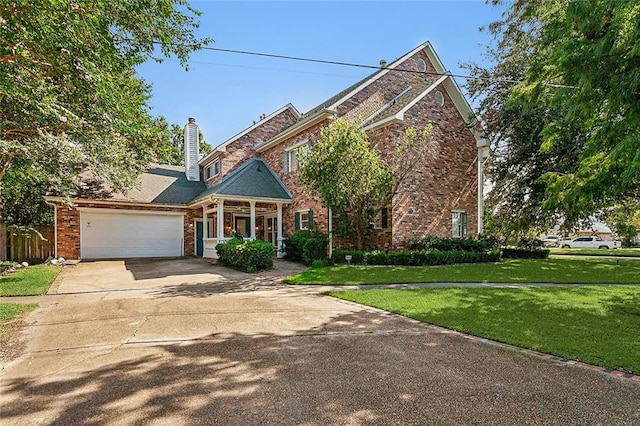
(30, 281)
(555, 271)
(595, 325)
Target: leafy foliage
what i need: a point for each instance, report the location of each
(306, 246)
(249, 255)
(171, 148)
(449, 244)
(69, 96)
(348, 176)
(561, 108)
(21, 198)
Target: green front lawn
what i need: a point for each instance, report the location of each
(625, 252)
(596, 325)
(9, 311)
(31, 281)
(560, 271)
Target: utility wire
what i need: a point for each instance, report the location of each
(375, 67)
(351, 64)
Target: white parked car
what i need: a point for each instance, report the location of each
(590, 243)
(551, 241)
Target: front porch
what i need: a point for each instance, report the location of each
(227, 217)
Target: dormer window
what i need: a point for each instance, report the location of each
(213, 169)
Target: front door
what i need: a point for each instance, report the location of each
(271, 230)
(199, 243)
(243, 226)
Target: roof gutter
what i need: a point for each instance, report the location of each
(75, 201)
(211, 199)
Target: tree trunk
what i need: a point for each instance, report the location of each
(6, 161)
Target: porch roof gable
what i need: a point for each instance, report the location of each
(254, 179)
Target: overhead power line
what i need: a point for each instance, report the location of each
(374, 67)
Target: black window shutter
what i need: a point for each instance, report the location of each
(297, 221)
(310, 226)
(385, 220)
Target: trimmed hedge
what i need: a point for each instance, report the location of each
(249, 256)
(482, 244)
(415, 257)
(306, 246)
(523, 253)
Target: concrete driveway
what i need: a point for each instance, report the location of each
(184, 342)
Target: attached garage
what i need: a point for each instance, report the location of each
(117, 234)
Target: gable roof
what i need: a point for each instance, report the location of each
(158, 185)
(328, 108)
(223, 146)
(254, 179)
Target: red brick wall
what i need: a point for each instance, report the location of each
(302, 200)
(446, 182)
(243, 149)
(68, 226)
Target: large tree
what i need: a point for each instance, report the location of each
(561, 107)
(346, 171)
(69, 96)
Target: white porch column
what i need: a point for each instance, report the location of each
(279, 253)
(220, 220)
(483, 155)
(253, 219)
(205, 234)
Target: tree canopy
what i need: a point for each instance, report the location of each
(171, 147)
(561, 106)
(345, 170)
(347, 175)
(69, 96)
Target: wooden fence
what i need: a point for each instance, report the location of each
(29, 247)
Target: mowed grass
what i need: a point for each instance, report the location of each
(556, 270)
(625, 252)
(9, 311)
(596, 325)
(31, 281)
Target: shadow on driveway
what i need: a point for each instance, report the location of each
(353, 369)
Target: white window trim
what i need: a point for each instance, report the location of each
(295, 149)
(217, 161)
(464, 232)
(300, 213)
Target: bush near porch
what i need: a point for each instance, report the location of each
(249, 256)
(306, 246)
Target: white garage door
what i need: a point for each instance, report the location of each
(113, 235)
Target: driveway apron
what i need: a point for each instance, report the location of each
(181, 341)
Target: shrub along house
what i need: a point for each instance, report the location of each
(249, 184)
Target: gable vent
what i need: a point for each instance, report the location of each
(191, 150)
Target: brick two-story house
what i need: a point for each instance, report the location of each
(249, 184)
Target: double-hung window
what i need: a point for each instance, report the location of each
(303, 220)
(459, 223)
(381, 220)
(293, 156)
(213, 169)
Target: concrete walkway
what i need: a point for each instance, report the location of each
(184, 342)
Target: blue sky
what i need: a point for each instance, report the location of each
(226, 92)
